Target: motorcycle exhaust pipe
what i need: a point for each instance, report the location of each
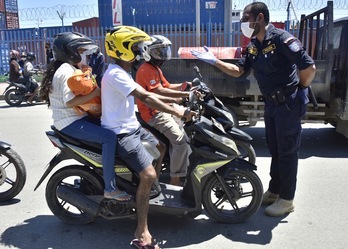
(79, 200)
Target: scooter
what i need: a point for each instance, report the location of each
(12, 172)
(218, 178)
(15, 93)
(213, 107)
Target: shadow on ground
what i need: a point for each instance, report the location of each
(46, 231)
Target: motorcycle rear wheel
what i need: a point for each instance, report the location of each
(12, 174)
(245, 187)
(82, 179)
(14, 97)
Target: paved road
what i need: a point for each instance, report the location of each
(3, 86)
(319, 220)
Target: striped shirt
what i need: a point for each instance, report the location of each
(60, 94)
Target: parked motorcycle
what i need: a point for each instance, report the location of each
(218, 178)
(15, 93)
(12, 172)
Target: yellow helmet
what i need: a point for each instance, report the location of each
(120, 39)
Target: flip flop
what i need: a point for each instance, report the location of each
(142, 245)
(123, 194)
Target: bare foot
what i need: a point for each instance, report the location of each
(144, 237)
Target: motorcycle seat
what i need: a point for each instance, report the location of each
(75, 141)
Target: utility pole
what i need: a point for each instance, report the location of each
(228, 21)
(198, 24)
(61, 15)
(290, 5)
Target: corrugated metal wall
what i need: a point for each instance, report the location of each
(9, 14)
(160, 12)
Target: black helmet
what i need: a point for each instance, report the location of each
(66, 45)
(31, 56)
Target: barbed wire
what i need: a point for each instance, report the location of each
(274, 5)
(151, 7)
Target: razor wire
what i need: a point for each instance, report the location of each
(44, 13)
(152, 7)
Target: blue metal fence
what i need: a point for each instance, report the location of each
(181, 35)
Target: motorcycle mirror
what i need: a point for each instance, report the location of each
(198, 73)
(196, 82)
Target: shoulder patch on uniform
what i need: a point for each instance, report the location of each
(252, 50)
(293, 44)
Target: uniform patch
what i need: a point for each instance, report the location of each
(152, 82)
(269, 48)
(294, 45)
(252, 50)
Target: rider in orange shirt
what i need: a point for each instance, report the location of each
(151, 78)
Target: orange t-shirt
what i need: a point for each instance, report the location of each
(149, 77)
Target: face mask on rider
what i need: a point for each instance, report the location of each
(84, 57)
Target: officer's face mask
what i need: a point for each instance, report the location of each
(245, 27)
(246, 30)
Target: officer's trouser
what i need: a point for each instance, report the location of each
(179, 150)
(283, 134)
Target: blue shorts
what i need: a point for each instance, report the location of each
(132, 151)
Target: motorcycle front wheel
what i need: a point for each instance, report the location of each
(14, 97)
(247, 151)
(246, 190)
(12, 174)
(82, 179)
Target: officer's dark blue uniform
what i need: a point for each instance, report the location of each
(97, 64)
(275, 62)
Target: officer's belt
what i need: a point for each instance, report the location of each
(280, 95)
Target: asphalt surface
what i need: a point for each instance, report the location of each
(3, 86)
(319, 221)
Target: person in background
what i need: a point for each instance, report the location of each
(123, 45)
(97, 63)
(150, 77)
(15, 74)
(49, 53)
(32, 87)
(22, 60)
(68, 50)
(284, 71)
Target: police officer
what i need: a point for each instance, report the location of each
(284, 71)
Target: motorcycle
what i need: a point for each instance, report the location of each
(218, 178)
(15, 93)
(12, 172)
(213, 107)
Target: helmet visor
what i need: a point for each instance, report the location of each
(161, 53)
(89, 48)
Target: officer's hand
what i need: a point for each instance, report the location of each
(207, 56)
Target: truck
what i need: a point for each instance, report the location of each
(324, 39)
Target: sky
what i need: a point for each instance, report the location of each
(32, 4)
(29, 4)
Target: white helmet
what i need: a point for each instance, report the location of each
(159, 48)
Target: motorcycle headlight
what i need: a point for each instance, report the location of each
(223, 140)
